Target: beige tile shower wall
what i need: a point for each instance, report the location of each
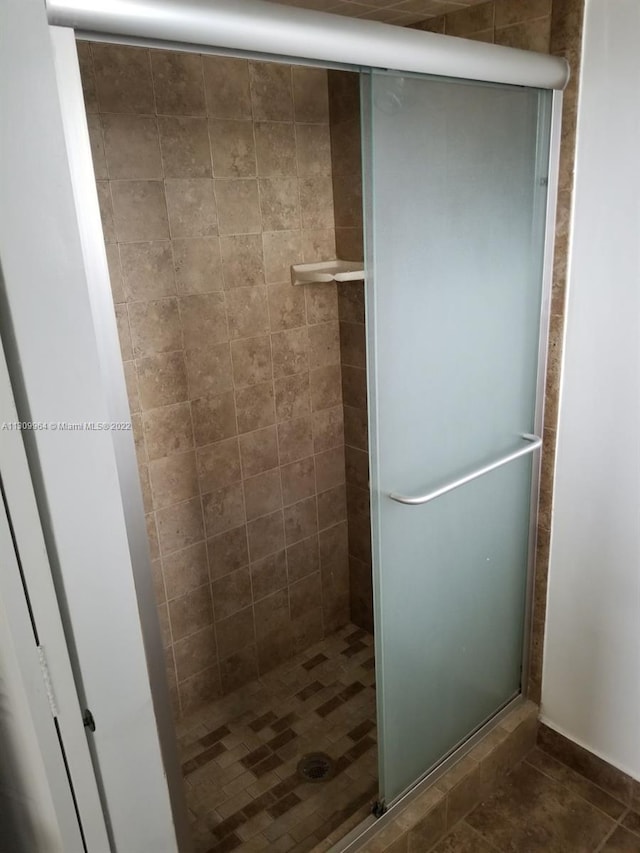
(214, 175)
(511, 23)
(344, 108)
(545, 26)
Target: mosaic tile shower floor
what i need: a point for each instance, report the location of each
(240, 754)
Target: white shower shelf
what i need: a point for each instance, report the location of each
(327, 271)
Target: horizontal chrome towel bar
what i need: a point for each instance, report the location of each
(533, 443)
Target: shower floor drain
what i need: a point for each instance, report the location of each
(315, 767)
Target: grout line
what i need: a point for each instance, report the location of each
(613, 829)
(617, 822)
(594, 784)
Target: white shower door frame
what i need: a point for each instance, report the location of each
(138, 727)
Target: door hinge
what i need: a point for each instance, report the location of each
(89, 722)
(46, 677)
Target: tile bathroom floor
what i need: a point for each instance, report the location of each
(240, 754)
(543, 806)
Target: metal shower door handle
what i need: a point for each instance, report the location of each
(534, 442)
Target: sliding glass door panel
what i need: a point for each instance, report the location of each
(455, 185)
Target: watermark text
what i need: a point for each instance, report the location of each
(65, 426)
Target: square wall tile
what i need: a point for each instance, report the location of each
(184, 142)
(226, 83)
(204, 320)
(279, 204)
(330, 469)
(195, 653)
(357, 467)
(209, 370)
(131, 146)
(190, 613)
(199, 690)
(228, 551)
(242, 260)
(271, 91)
(191, 205)
(223, 509)
(139, 211)
(328, 429)
(303, 558)
(333, 547)
(152, 535)
(180, 526)
(124, 332)
(123, 78)
(295, 440)
(85, 61)
(326, 390)
(197, 264)
(286, 307)
(94, 123)
(247, 312)
(232, 148)
(259, 451)
(185, 570)
(266, 536)
(353, 344)
(289, 352)
(281, 250)
(162, 380)
(356, 428)
(251, 359)
(316, 200)
(219, 465)
(354, 386)
(238, 669)
(292, 397)
(276, 149)
(115, 272)
(155, 327)
(318, 244)
(300, 520)
(263, 494)
(178, 82)
(255, 407)
(173, 479)
(310, 94)
(147, 270)
(324, 345)
(231, 593)
(168, 430)
(238, 206)
(313, 149)
(269, 575)
(304, 595)
(214, 418)
(298, 480)
(322, 303)
(332, 507)
(131, 381)
(236, 632)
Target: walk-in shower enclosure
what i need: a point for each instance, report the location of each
(460, 147)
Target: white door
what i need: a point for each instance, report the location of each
(47, 781)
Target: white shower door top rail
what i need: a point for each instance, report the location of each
(256, 26)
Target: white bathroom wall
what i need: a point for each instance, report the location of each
(591, 680)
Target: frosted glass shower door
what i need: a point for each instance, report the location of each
(455, 184)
